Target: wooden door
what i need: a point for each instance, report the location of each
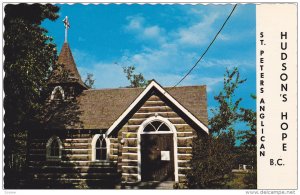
(153, 167)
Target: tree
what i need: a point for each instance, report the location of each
(211, 161)
(213, 156)
(29, 57)
(89, 81)
(136, 80)
(227, 112)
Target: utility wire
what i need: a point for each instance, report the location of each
(206, 48)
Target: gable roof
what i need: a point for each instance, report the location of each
(100, 109)
(66, 59)
(155, 85)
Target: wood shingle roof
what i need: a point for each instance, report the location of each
(101, 108)
(66, 65)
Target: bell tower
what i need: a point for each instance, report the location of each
(65, 81)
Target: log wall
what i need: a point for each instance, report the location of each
(75, 169)
(128, 160)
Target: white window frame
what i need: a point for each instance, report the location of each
(56, 90)
(94, 141)
(172, 131)
(48, 149)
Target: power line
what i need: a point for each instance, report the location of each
(207, 47)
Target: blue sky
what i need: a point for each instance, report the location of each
(162, 41)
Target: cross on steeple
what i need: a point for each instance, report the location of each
(67, 25)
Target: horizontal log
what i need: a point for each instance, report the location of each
(130, 128)
(154, 103)
(129, 150)
(130, 142)
(37, 145)
(113, 152)
(183, 127)
(184, 157)
(135, 121)
(186, 134)
(154, 98)
(73, 175)
(183, 171)
(73, 163)
(149, 114)
(129, 178)
(75, 169)
(182, 178)
(184, 164)
(113, 140)
(76, 151)
(184, 142)
(144, 109)
(129, 135)
(129, 163)
(114, 145)
(177, 121)
(76, 158)
(184, 150)
(130, 170)
(113, 157)
(83, 140)
(77, 146)
(130, 156)
(75, 135)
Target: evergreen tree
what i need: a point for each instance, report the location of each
(29, 57)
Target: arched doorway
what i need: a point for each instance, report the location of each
(157, 150)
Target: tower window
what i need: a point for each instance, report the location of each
(58, 93)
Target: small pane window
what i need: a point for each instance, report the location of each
(163, 127)
(54, 150)
(149, 128)
(101, 149)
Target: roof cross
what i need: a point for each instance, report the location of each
(67, 25)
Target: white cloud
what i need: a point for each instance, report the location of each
(106, 75)
(211, 82)
(171, 58)
(135, 23)
(199, 33)
(152, 31)
(229, 63)
(143, 31)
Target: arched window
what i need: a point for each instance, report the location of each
(156, 126)
(53, 148)
(101, 150)
(57, 93)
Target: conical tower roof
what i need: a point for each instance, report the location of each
(66, 71)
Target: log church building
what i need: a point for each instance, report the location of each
(114, 138)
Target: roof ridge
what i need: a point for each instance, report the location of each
(134, 88)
